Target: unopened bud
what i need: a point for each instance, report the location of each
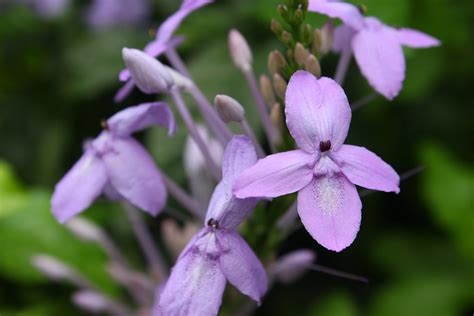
(363, 9)
(90, 301)
(229, 109)
(147, 72)
(267, 89)
(287, 38)
(312, 65)
(240, 51)
(307, 34)
(298, 16)
(276, 115)
(300, 54)
(85, 229)
(276, 61)
(179, 80)
(52, 267)
(317, 41)
(327, 38)
(275, 26)
(292, 266)
(280, 85)
(283, 11)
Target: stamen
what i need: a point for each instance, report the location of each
(325, 146)
(104, 125)
(213, 223)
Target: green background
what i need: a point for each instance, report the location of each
(57, 81)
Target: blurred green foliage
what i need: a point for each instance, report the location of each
(58, 78)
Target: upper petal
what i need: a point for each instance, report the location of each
(379, 55)
(239, 155)
(242, 267)
(276, 175)
(342, 38)
(330, 209)
(79, 187)
(195, 287)
(316, 111)
(364, 168)
(136, 118)
(416, 39)
(133, 174)
(347, 12)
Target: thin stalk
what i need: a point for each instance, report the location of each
(343, 65)
(247, 130)
(341, 274)
(270, 130)
(221, 131)
(363, 101)
(146, 242)
(193, 131)
(193, 206)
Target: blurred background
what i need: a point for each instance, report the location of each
(59, 65)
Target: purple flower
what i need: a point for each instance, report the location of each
(106, 13)
(323, 171)
(49, 8)
(377, 47)
(116, 164)
(162, 42)
(217, 253)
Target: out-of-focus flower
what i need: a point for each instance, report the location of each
(116, 164)
(49, 8)
(292, 266)
(377, 47)
(106, 13)
(217, 253)
(324, 171)
(162, 42)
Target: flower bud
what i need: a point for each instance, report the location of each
(90, 301)
(85, 229)
(228, 109)
(300, 54)
(179, 80)
(280, 85)
(292, 266)
(240, 51)
(275, 26)
(267, 89)
(148, 73)
(327, 38)
(276, 61)
(312, 65)
(317, 41)
(287, 38)
(276, 115)
(52, 267)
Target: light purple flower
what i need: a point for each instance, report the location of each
(324, 171)
(377, 47)
(163, 41)
(116, 164)
(106, 13)
(49, 8)
(217, 253)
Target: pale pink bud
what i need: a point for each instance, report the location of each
(240, 51)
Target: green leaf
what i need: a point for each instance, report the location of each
(334, 304)
(12, 196)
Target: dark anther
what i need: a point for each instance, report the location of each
(362, 9)
(325, 146)
(213, 223)
(104, 125)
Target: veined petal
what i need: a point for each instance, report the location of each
(79, 187)
(241, 266)
(276, 175)
(133, 174)
(379, 55)
(330, 209)
(136, 118)
(347, 12)
(239, 155)
(416, 39)
(316, 111)
(364, 168)
(195, 287)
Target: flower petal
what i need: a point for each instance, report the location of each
(136, 118)
(347, 12)
(276, 175)
(316, 111)
(241, 266)
(195, 287)
(239, 155)
(342, 38)
(364, 168)
(416, 39)
(330, 209)
(133, 174)
(124, 91)
(380, 59)
(79, 187)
